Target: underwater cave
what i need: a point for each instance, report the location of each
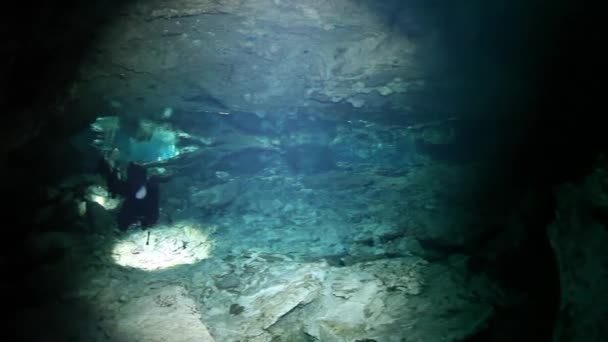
(278, 170)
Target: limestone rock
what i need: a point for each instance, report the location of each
(165, 315)
(228, 282)
(268, 305)
(385, 300)
(268, 296)
(215, 197)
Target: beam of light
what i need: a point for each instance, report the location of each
(166, 246)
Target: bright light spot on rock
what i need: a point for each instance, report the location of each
(167, 246)
(101, 196)
(100, 200)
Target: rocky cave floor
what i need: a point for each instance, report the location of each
(373, 249)
(274, 256)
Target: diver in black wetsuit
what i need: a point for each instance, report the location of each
(140, 193)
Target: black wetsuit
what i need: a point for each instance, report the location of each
(146, 209)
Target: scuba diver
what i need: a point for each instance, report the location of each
(140, 194)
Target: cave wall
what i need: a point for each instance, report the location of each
(42, 47)
(578, 236)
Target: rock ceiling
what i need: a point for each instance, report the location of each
(268, 57)
(339, 59)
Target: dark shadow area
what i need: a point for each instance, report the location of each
(43, 45)
(519, 76)
(52, 306)
(530, 273)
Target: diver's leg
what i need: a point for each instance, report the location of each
(125, 216)
(150, 217)
(150, 206)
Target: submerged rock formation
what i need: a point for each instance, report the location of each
(579, 236)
